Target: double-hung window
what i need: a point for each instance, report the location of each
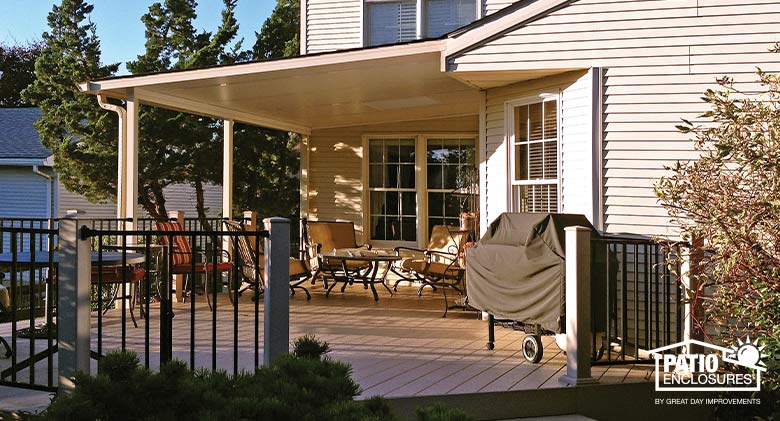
(394, 21)
(415, 182)
(392, 189)
(534, 156)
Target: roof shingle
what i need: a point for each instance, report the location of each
(18, 137)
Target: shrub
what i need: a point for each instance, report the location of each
(726, 202)
(441, 412)
(292, 388)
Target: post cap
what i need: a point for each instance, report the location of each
(577, 228)
(276, 220)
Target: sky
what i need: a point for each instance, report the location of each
(119, 24)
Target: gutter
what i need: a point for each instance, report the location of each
(50, 187)
(120, 181)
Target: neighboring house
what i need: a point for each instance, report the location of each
(29, 187)
(563, 106)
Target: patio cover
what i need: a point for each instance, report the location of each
(517, 271)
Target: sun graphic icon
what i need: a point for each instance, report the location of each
(748, 353)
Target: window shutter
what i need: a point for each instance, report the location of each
(443, 16)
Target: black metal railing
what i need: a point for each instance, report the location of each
(197, 331)
(637, 297)
(27, 305)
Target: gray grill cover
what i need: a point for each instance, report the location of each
(517, 270)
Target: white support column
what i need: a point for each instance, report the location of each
(73, 303)
(276, 336)
(578, 327)
(227, 179)
(131, 165)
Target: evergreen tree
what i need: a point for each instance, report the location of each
(81, 135)
(267, 161)
(178, 147)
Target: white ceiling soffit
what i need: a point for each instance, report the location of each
(371, 86)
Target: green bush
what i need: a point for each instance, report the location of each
(292, 388)
(303, 385)
(441, 412)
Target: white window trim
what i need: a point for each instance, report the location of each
(420, 182)
(479, 4)
(509, 128)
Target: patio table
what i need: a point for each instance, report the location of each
(369, 278)
(41, 259)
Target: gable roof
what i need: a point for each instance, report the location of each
(18, 137)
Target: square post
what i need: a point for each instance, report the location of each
(227, 179)
(276, 337)
(73, 300)
(131, 165)
(578, 308)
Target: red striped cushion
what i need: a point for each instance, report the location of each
(182, 252)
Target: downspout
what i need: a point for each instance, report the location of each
(121, 212)
(50, 188)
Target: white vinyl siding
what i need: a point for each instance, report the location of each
(579, 177)
(333, 25)
(657, 57)
(335, 188)
(495, 179)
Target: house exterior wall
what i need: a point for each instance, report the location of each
(575, 141)
(335, 184)
(657, 58)
(178, 197)
(23, 194)
(328, 25)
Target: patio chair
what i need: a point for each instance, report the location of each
(440, 265)
(251, 264)
(182, 255)
(116, 277)
(326, 236)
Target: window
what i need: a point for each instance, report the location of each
(392, 189)
(534, 175)
(393, 21)
(416, 182)
(444, 16)
(450, 166)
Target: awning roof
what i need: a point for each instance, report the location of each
(342, 88)
(394, 83)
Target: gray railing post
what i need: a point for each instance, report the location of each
(73, 286)
(578, 307)
(276, 337)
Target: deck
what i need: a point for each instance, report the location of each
(398, 347)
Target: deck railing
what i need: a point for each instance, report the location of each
(136, 284)
(640, 295)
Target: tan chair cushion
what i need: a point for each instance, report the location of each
(332, 235)
(446, 240)
(435, 269)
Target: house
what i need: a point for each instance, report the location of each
(29, 187)
(561, 105)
